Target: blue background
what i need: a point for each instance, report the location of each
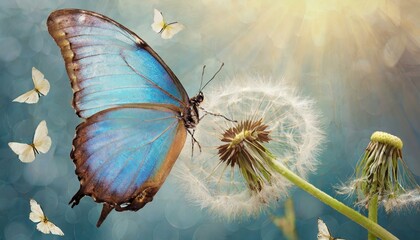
(361, 78)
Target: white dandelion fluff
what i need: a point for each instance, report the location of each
(272, 123)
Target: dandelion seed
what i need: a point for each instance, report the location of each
(382, 173)
(233, 176)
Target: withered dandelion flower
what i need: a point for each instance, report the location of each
(383, 175)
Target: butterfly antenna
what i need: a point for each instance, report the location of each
(221, 66)
(202, 74)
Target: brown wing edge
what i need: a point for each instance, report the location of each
(59, 36)
(146, 192)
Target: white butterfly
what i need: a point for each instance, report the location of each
(324, 232)
(41, 143)
(44, 225)
(41, 88)
(167, 30)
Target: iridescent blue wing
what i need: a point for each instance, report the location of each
(132, 103)
(123, 155)
(109, 65)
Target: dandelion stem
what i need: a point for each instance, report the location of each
(373, 214)
(358, 218)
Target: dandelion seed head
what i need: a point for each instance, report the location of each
(243, 147)
(273, 122)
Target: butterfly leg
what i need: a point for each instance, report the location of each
(194, 141)
(192, 144)
(205, 114)
(217, 115)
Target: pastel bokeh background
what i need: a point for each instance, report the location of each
(359, 60)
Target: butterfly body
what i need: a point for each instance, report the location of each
(192, 115)
(136, 112)
(34, 148)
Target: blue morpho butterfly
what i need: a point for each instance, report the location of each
(136, 111)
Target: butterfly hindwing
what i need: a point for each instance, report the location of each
(109, 65)
(122, 152)
(171, 29)
(53, 228)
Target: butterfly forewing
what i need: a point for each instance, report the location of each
(109, 65)
(41, 84)
(158, 22)
(36, 214)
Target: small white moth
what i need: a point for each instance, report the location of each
(41, 143)
(44, 225)
(41, 88)
(324, 232)
(167, 30)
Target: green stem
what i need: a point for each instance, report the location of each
(363, 221)
(373, 214)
